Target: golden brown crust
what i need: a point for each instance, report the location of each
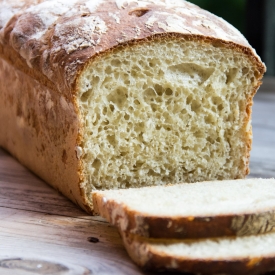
(143, 253)
(51, 43)
(60, 47)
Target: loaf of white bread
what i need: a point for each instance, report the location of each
(201, 228)
(112, 94)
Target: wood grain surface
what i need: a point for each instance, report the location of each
(41, 232)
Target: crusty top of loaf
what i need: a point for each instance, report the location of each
(57, 37)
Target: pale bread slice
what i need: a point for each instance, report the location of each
(238, 255)
(197, 210)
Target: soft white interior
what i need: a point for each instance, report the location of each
(218, 249)
(165, 112)
(199, 199)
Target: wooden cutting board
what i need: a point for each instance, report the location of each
(41, 232)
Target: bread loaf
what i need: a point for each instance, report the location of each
(115, 94)
(189, 211)
(250, 255)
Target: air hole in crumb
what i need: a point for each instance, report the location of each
(231, 75)
(149, 93)
(183, 111)
(189, 99)
(199, 134)
(112, 140)
(95, 80)
(96, 119)
(96, 164)
(152, 173)
(168, 91)
(158, 89)
(112, 107)
(104, 111)
(195, 106)
(154, 107)
(138, 164)
(105, 122)
(118, 97)
(108, 70)
(245, 70)
(116, 63)
(209, 119)
(139, 12)
(210, 140)
(84, 97)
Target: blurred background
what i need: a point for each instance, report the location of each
(255, 19)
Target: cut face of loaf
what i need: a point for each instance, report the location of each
(197, 210)
(166, 111)
(237, 256)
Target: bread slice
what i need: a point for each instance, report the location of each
(197, 210)
(115, 94)
(237, 256)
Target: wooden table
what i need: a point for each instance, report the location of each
(41, 232)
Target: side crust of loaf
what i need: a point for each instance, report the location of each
(40, 128)
(155, 255)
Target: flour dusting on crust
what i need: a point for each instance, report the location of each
(46, 33)
(79, 33)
